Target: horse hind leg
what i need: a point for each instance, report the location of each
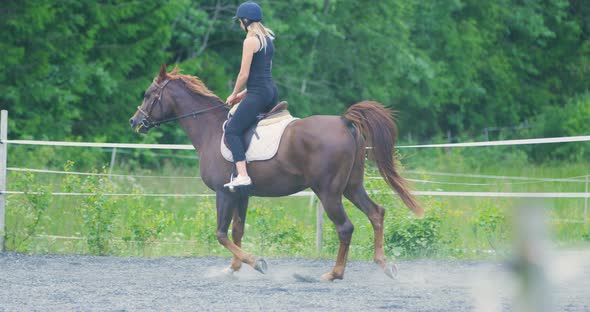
(376, 214)
(334, 209)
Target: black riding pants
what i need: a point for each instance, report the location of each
(257, 101)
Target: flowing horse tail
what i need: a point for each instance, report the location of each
(375, 122)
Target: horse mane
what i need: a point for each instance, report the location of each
(192, 82)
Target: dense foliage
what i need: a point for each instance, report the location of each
(76, 70)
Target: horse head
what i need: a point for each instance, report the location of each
(157, 104)
(185, 96)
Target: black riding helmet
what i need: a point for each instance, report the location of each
(250, 11)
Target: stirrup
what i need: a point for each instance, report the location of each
(238, 182)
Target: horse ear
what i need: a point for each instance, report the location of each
(163, 73)
(175, 70)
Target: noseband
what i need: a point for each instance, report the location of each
(147, 122)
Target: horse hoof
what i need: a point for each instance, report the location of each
(331, 276)
(327, 277)
(224, 274)
(261, 266)
(391, 271)
(229, 271)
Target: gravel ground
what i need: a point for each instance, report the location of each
(85, 283)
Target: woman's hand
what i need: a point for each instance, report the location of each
(241, 96)
(232, 99)
(235, 98)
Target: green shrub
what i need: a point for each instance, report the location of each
(405, 234)
(97, 209)
(411, 237)
(491, 224)
(275, 232)
(143, 225)
(289, 237)
(26, 212)
(569, 120)
(203, 226)
(586, 234)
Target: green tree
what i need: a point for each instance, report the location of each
(75, 65)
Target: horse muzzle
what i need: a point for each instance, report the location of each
(140, 125)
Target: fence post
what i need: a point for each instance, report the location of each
(3, 150)
(311, 198)
(586, 201)
(449, 140)
(113, 158)
(319, 228)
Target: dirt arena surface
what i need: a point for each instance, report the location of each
(86, 283)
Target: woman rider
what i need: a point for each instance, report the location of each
(261, 93)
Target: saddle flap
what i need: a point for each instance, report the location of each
(246, 138)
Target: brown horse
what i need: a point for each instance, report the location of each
(324, 153)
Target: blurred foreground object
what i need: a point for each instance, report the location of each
(532, 257)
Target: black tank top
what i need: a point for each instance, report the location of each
(260, 69)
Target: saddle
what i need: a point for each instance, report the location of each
(262, 139)
(279, 108)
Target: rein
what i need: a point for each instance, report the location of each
(148, 124)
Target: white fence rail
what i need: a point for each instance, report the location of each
(190, 147)
(4, 142)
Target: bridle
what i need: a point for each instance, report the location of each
(147, 122)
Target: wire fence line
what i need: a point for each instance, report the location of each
(94, 144)
(192, 156)
(474, 184)
(99, 174)
(466, 175)
(112, 194)
(577, 179)
(429, 193)
(307, 193)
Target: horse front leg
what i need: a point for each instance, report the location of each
(227, 203)
(237, 232)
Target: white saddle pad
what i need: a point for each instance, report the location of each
(263, 146)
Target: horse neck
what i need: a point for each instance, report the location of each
(205, 129)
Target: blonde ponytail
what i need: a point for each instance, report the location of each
(256, 28)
